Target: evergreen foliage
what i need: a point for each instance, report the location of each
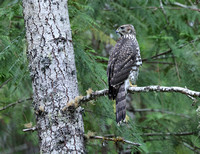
(171, 28)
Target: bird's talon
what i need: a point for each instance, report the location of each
(132, 85)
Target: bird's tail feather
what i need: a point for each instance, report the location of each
(121, 104)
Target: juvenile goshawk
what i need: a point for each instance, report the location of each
(123, 68)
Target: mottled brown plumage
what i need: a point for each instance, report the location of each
(123, 66)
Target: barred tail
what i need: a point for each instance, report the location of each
(121, 104)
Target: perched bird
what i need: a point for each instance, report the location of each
(123, 68)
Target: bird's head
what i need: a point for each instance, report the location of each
(126, 29)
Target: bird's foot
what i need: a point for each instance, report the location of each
(132, 85)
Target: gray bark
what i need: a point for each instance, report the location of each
(52, 69)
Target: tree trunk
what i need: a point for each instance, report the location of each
(53, 73)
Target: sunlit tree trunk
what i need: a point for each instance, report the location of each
(52, 69)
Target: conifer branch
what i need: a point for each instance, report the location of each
(169, 51)
(15, 103)
(114, 139)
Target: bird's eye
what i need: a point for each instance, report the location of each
(122, 27)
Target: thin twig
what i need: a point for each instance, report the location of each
(169, 50)
(151, 7)
(180, 6)
(190, 2)
(99, 114)
(157, 139)
(149, 128)
(158, 62)
(161, 111)
(15, 103)
(114, 139)
(193, 99)
(145, 61)
(190, 42)
(4, 83)
(169, 134)
(191, 147)
(30, 129)
(177, 70)
(158, 55)
(163, 10)
(186, 7)
(107, 138)
(162, 57)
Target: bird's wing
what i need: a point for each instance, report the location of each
(122, 59)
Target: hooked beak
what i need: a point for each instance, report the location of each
(117, 31)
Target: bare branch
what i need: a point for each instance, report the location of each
(94, 95)
(163, 10)
(154, 8)
(114, 139)
(4, 83)
(191, 3)
(157, 139)
(191, 147)
(81, 99)
(30, 129)
(164, 89)
(15, 103)
(159, 62)
(194, 8)
(193, 99)
(107, 137)
(180, 6)
(158, 55)
(146, 61)
(169, 134)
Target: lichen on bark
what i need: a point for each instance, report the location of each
(53, 72)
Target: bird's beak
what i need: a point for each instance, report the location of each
(117, 31)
